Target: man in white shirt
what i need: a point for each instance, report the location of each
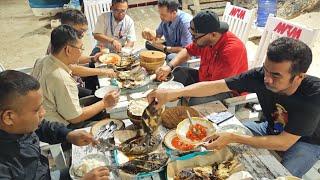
(115, 29)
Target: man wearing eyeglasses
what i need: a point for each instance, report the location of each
(222, 55)
(173, 27)
(87, 85)
(115, 29)
(60, 92)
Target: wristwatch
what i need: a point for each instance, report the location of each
(92, 60)
(165, 48)
(171, 66)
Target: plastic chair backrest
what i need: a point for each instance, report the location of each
(2, 68)
(239, 20)
(92, 10)
(277, 27)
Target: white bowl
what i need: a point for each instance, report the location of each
(170, 85)
(183, 128)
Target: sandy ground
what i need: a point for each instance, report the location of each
(25, 37)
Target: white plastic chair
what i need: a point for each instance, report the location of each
(92, 9)
(239, 20)
(2, 68)
(277, 27)
(26, 70)
(56, 153)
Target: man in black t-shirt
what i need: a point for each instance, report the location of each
(290, 102)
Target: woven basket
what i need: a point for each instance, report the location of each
(171, 117)
(151, 67)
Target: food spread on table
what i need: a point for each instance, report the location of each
(216, 171)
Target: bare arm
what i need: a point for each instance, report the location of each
(84, 59)
(108, 101)
(170, 49)
(281, 142)
(85, 71)
(129, 44)
(181, 57)
(88, 112)
(174, 49)
(200, 89)
(102, 38)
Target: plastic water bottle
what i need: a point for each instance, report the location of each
(73, 4)
(265, 7)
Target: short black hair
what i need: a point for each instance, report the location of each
(119, 1)
(172, 5)
(14, 84)
(61, 36)
(292, 50)
(73, 17)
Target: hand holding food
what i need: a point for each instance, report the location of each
(80, 138)
(148, 34)
(99, 173)
(163, 72)
(220, 141)
(117, 45)
(111, 99)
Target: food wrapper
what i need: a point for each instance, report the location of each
(199, 159)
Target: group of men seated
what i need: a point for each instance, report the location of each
(289, 98)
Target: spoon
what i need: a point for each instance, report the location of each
(193, 129)
(109, 132)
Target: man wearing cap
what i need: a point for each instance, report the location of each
(222, 55)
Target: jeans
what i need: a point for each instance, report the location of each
(299, 158)
(188, 76)
(83, 92)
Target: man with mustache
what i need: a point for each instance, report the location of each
(221, 53)
(290, 102)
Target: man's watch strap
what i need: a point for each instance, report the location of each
(165, 48)
(92, 60)
(171, 66)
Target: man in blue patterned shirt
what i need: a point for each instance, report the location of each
(174, 27)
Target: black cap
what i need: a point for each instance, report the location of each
(207, 22)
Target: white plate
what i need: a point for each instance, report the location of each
(168, 141)
(100, 93)
(170, 85)
(183, 128)
(236, 129)
(109, 58)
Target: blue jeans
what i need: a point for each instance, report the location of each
(299, 158)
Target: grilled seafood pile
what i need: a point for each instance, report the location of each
(140, 144)
(126, 63)
(147, 163)
(132, 78)
(214, 172)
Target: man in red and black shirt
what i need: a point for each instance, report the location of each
(222, 54)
